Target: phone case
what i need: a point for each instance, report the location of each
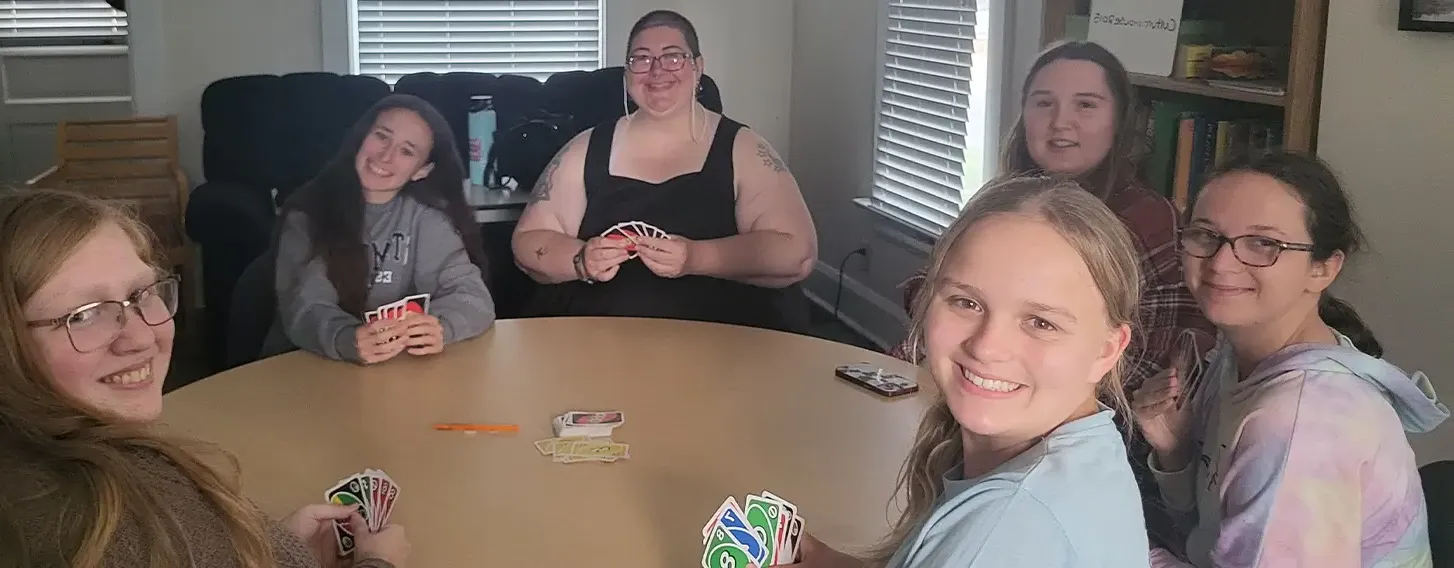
(877, 381)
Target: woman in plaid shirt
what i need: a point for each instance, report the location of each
(1077, 117)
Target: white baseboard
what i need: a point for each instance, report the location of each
(863, 310)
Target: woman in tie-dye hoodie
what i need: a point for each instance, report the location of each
(1288, 448)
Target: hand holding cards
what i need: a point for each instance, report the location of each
(765, 531)
(374, 492)
(629, 231)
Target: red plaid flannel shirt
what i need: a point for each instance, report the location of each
(1167, 309)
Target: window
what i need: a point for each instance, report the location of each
(929, 150)
(537, 38)
(59, 21)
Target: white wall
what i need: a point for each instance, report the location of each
(1386, 118)
(181, 46)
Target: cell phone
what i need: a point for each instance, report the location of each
(876, 380)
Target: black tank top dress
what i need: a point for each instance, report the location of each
(699, 206)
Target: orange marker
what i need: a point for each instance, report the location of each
(478, 427)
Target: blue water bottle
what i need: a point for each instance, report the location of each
(482, 135)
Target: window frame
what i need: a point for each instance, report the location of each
(102, 43)
(339, 22)
(998, 25)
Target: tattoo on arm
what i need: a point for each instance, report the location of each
(540, 253)
(547, 179)
(770, 158)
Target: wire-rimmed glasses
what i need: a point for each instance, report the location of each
(97, 324)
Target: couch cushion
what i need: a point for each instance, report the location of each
(267, 131)
(320, 110)
(242, 129)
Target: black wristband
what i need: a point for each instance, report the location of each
(580, 264)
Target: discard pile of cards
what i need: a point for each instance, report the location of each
(585, 424)
(374, 492)
(630, 230)
(418, 303)
(582, 436)
(764, 531)
(572, 450)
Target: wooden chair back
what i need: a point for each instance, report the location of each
(132, 160)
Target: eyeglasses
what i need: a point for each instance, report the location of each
(673, 61)
(95, 325)
(1252, 250)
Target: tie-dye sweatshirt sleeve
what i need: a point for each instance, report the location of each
(1314, 472)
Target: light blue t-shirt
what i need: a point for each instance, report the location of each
(1070, 501)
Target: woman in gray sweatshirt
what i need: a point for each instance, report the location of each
(385, 219)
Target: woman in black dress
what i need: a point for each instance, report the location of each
(740, 237)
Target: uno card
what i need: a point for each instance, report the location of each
(786, 513)
(723, 551)
(795, 535)
(349, 491)
(734, 521)
(418, 304)
(576, 418)
(371, 316)
(763, 515)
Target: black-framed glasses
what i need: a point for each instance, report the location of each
(97, 324)
(672, 61)
(1252, 250)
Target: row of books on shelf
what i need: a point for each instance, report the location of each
(1184, 143)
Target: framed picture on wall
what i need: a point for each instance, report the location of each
(1426, 15)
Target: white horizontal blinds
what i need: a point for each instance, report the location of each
(919, 160)
(43, 19)
(520, 37)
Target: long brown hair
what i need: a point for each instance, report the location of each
(88, 462)
(333, 201)
(1118, 170)
(1105, 245)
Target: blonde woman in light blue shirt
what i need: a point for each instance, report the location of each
(1032, 293)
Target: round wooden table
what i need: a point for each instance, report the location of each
(711, 411)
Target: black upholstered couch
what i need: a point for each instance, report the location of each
(266, 134)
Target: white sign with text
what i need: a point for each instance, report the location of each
(1142, 33)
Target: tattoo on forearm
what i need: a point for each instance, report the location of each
(547, 180)
(770, 158)
(540, 253)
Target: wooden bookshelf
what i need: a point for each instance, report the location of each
(1204, 89)
(1301, 24)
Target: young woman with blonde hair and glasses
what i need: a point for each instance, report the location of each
(85, 345)
(1024, 318)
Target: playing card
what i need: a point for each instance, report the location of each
(581, 418)
(730, 520)
(370, 316)
(733, 520)
(621, 231)
(786, 513)
(795, 535)
(763, 515)
(349, 491)
(722, 551)
(418, 303)
(389, 492)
